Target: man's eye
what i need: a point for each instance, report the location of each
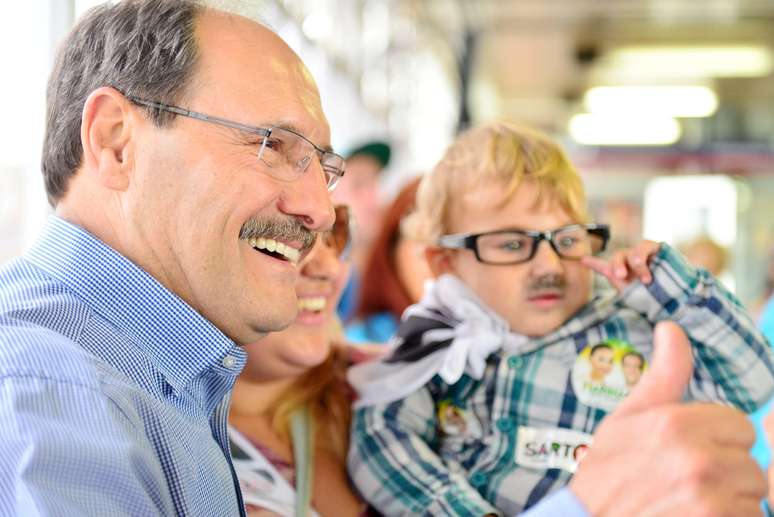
(273, 144)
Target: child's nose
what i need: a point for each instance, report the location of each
(546, 259)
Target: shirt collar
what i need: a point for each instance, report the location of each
(179, 340)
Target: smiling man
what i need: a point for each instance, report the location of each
(187, 159)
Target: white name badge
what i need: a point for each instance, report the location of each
(551, 448)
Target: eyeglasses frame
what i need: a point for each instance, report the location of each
(470, 240)
(351, 227)
(260, 131)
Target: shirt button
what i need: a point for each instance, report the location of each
(478, 479)
(229, 361)
(515, 362)
(505, 424)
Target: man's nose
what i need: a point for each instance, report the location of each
(308, 199)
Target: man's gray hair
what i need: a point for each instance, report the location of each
(142, 48)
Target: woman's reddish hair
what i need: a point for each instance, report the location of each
(380, 289)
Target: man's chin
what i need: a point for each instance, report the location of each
(260, 329)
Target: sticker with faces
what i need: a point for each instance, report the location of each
(604, 373)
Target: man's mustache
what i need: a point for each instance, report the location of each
(287, 229)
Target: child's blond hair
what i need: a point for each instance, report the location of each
(500, 152)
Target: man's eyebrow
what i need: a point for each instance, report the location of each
(295, 129)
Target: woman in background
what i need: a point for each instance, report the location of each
(394, 275)
(290, 408)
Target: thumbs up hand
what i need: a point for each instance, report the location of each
(657, 457)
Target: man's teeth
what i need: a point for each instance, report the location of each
(312, 304)
(290, 253)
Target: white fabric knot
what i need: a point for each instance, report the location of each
(477, 332)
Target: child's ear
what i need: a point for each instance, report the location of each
(440, 260)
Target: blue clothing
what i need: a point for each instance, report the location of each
(562, 503)
(761, 450)
(377, 328)
(113, 391)
(766, 322)
(349, 297)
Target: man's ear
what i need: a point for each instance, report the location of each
(440, 260)
(106, 130)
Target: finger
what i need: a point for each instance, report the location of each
(619, 265)
(748, 506)
(669, 373)
(647, 250)
(714, 476)
(650, 249)
(637, 261)
(686, 473)
(599, 265)
(734, 469)
(707, 424)
(614, 269)
(736, 430)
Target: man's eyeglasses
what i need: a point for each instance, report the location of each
(286, 153)
(339, 238)
(502, 247)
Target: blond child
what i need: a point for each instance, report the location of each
(497, 380)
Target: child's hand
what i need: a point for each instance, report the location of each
(626, 265)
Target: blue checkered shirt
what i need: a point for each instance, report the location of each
(113, 391)
(404, 464)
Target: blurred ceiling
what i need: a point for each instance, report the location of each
(538, 57)
(533, 61)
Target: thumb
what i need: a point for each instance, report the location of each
(669, 372)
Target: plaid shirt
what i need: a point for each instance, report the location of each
(404, 464)
(113, 391)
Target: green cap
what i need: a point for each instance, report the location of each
(379, 151)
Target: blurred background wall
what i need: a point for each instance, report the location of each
(667, 106)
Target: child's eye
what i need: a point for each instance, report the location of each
(513, 245)
(567, 242)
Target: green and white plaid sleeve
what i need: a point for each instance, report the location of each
(396, 471)
(733, 362)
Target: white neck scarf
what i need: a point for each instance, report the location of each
(475, 332)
